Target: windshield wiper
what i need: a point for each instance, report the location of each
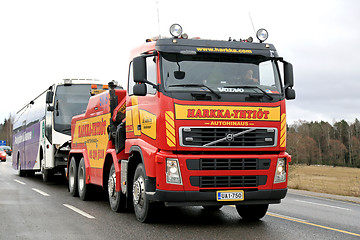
(248, 86)
(196, 85)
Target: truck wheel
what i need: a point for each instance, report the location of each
(117, 199)
(142, 206)
(252, 212)
(83, 188)
(73, 171)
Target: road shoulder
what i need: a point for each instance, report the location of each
(325, 195)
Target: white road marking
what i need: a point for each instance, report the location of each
(19, 182)
(79, 211)
(324, 205)
(286, 217)
(41, 192)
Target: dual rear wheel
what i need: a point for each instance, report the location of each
(77, 179)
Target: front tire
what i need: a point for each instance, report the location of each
(21, 173)
(46, 174)
(252, 212)
(142, 206)
(73, 171)
(83, 188)
(117, 200)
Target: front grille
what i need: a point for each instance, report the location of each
(228, 164)
(227, 137)
(227, 181)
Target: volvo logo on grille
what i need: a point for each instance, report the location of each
(229, 137)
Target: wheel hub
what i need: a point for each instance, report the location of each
(139, 191)
(112, 185)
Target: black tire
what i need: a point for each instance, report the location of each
(83, 188)
(252, 212)
(117, 200)
(73, 172)
(212, 208)
(46, 175)
(21, 173)
(143, 208)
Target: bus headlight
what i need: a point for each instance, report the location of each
(173, 174)
(280, 171)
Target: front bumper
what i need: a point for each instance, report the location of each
(197, 198)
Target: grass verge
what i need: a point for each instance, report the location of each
(325, 179)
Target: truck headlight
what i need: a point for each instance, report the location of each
(280, 171)
(173, 174)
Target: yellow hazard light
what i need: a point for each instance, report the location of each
(93, 86)
(105, 86)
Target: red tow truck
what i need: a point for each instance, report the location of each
(203, 123)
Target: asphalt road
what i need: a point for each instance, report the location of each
(32, 209)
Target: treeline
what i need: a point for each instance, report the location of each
(322, 143)
(6, 130)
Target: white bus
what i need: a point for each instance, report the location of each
(42, 128)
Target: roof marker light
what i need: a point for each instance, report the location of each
(262, 35)
(175, 30)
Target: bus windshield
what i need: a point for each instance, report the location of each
(223, 73)
(69, 101)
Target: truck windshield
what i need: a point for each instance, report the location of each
(223, 73)
(69, 101)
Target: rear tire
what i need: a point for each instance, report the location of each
(142, 206)
(117, 200)
(252, 212)
(83, 188)
(73, 171)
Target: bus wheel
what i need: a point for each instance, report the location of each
(83, 188)
(45, 173)
(116, 199)
(142, 206)
(252, 212)
(21, 173)
(73, 171)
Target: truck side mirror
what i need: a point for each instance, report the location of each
(289, 94)
(140, 89)
(288, 75)
(139, 69)
(49, 97)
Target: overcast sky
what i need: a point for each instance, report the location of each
(44, 41)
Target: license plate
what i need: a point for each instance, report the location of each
(231, 195)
